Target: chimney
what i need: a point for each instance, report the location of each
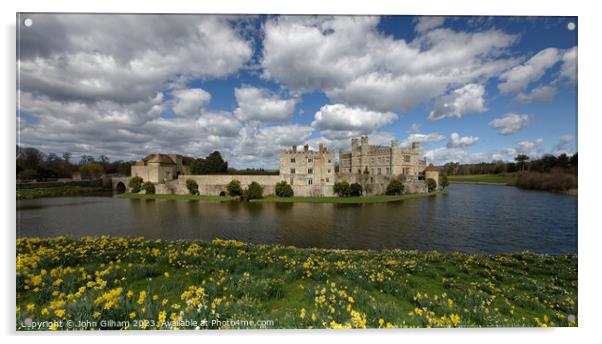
(305, 148)
(321, 148)
(294, 148)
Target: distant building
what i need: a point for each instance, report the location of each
(159, 168)
(375, 160)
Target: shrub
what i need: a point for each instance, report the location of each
(192, 186)
(557, 181)
(149, 188)
(234, 188)
(253, 191)
(135, 184)
(283, 189)
(395, 187)
(431, 184)
(342, 189)
(356, 189)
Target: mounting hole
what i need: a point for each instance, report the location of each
(571, 26)
(28, 22)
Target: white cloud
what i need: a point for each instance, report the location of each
(455, 140)
(427, 23)
(443, 155)
(532, 149)
(256, 104)
(219, 124)
(510, 123)
(188, 102)
(542, 93)
(519, 77)
(422, 138)
(469, 98)
(353, 63)
(345, 121)
(568, 70)
(564, 144)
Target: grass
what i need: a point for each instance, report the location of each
(177, 197)
(58, 191)
(353, 199)
(142, 284)
(505, 179)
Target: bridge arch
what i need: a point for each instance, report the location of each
(120, 188)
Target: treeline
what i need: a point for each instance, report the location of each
(33, 164)
(546, 164)
(215, 164)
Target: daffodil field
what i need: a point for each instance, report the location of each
(138, 284)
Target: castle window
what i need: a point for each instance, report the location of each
(309, 181)
(406, 158)
(328, 171)
(327, 180)
(379, 172)
(292, 171)
(293, 160)
(310, 159)
(310, 170)
(388, 171)
(329, 161)
(292, 180)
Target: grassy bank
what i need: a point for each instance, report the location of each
(177, 197)
(358, 199)
(504, 179)
(58, 191)
(140, 284)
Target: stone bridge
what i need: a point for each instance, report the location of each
(120, 184)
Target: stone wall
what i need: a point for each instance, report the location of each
(377, 185)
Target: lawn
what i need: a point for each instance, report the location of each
(506, 179)
(133, 283)
(177, 197)
(356, 199)
(58, 191)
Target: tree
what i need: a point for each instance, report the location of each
(431, 184)
(67, 157)
(213, 163)
(192, 186)
(444, 182)
(253, 191)
(395, 187)
(366, 170)
(342, 189)
(91, 171)
(356, 189)
(574, 160)
(521, 161)
(283, 189)
(149, 188)
(86, 159)
(135, 184)
(234, 188)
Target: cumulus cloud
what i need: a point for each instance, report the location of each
(510, 123)
(422, 138)
(355, 64)
(568, 70)
(469, 98)
(255, 104)
(542, 93)
(564, 144)
(530, 148)
(443, 155)
(339, 121)
(124, 58)
(188, 102)
(519, 77)
(424, 24)
(455, 140)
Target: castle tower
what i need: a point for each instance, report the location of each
(365, 151)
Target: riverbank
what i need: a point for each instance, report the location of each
(143, 284)
(497, 179)
(59, 191)
(294, 199)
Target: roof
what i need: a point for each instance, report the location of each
(159, 158)
(431, 168)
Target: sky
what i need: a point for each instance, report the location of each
(469, 89)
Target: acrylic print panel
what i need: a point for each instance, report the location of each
(298, 172)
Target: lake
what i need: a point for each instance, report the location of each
(470, 218)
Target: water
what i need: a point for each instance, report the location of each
(471, 218)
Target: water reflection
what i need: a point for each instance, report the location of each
(472, 218)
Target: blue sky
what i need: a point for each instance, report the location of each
(470, 89)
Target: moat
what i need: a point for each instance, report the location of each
(470, 218)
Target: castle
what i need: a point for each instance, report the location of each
(309, 172)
